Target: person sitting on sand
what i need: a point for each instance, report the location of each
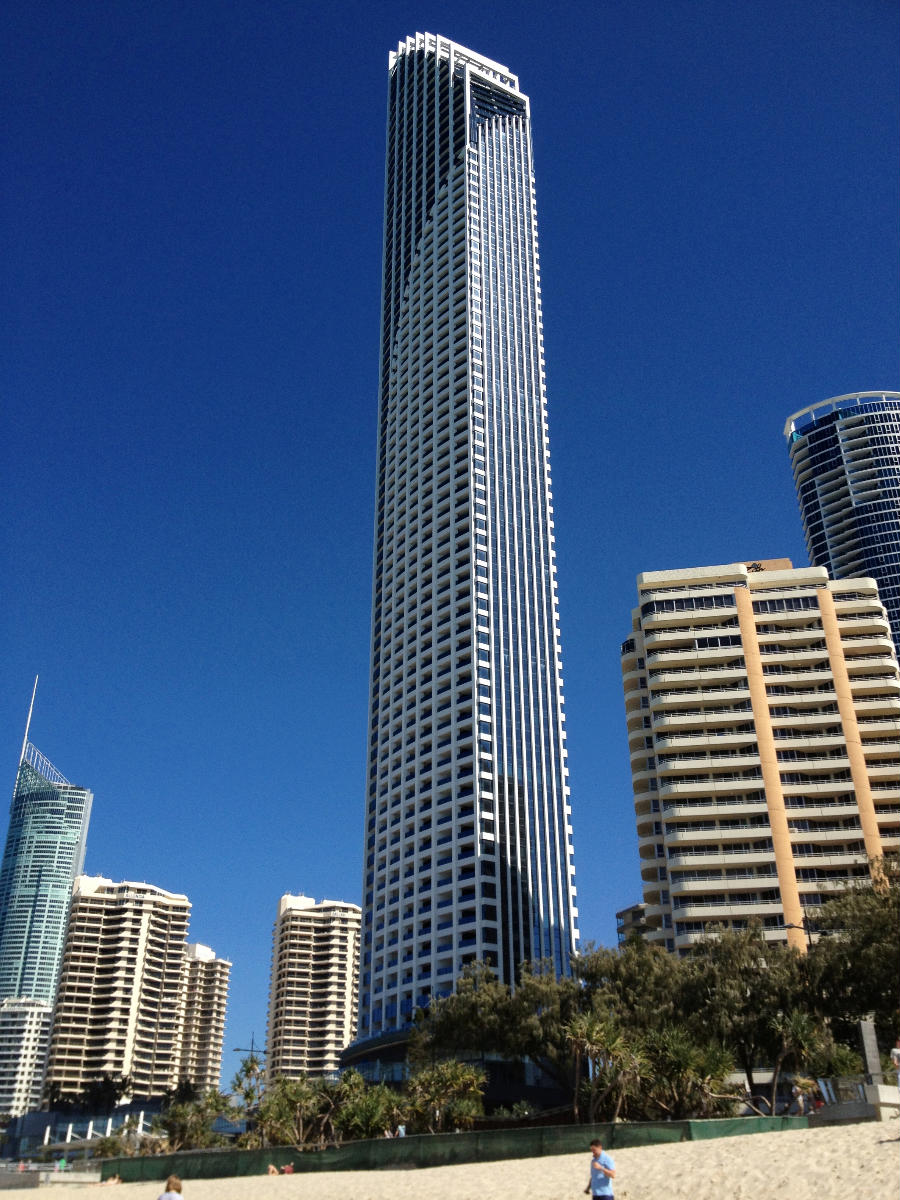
(173, 1189)
(603, 1172)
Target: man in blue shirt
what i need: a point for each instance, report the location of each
(603, 1172)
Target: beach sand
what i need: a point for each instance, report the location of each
(838, 1162)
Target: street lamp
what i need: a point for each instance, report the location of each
(806, 925)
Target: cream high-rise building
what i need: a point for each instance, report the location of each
(24, 1037)
(314, 988)
(205, 997)
(130, 994)
(763, 709)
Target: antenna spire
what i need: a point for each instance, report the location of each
(28, 722)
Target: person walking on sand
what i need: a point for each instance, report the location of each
(173, 1189)
(603, 1172)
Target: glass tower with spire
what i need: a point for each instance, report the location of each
(45, 845)
(468, 843)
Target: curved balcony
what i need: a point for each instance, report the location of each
(701, 910)
(713, 760)
(728, 806)
(884, 706)
(681, 836)
(886, 772)
(702, 738)
(871, 623)
(712, 785)
(647, 848)
(881, 687)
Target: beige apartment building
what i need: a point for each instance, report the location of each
(205, 998)
(133, 1000)
(763, 711)
(314, 987)
(24, 1038)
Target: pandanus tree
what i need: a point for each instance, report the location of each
(445, 1096)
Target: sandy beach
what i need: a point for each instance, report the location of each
(832, 1163)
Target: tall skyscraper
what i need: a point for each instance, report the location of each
(44, 851)
(314, 988)
(468, 848)
(45, 844)
(763, 709)
(128, 990)
(845, 453)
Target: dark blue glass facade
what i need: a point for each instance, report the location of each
(845, 455)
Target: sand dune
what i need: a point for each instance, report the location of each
(844, 1162)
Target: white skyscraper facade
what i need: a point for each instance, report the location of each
(468, 850)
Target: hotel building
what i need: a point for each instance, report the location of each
(314, 989)
(845, 455)
(205, 992)
(763, 711)
(132, 1000)
(468, 847)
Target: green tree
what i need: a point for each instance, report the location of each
(800, 1037)
(854, 962)
(299, 1112)
(366, 1111)
(248, 1083)
(189, 1126)
(474, 1020)
(485, 1017)
(580, 1033)
(445, 1096)
(184, 1092)
(685, 1077)
(103, 1094)
(639, 984)
(735, 986)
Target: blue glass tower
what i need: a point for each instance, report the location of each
(468, 852)
(44, 851)
(845, 454)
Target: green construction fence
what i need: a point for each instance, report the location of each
(435, 1150)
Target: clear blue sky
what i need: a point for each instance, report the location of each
(191, 244)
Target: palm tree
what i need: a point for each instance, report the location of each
(445, 1095)
(800, 1035)
(580, 1036)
